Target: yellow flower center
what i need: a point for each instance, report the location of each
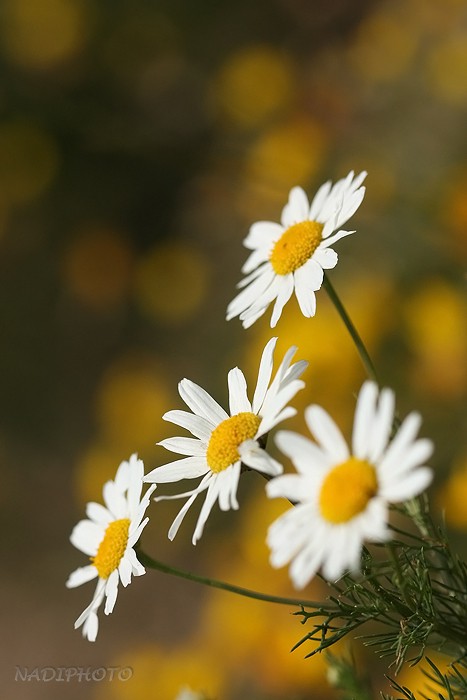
(112, 548)
(296, 245)
(347, 489)
(227, 437)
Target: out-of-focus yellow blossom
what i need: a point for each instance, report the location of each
(29, 161)
(131, 400)
(435, 317)
(286, 154)
(254, 84)
(97, 267)
(172, 282)
(93, 469)
(447, 69)
(384, 46)
(41, 35)
(452, 496)
(159, 673)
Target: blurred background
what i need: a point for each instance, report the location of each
(138, 142)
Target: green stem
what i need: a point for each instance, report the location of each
(151, 563)
(362, 351)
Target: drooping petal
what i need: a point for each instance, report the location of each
(285, 292)
(111, 590)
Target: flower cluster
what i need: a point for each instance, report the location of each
(340, 496)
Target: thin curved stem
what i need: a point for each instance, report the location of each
(362, 351)
(151, 563)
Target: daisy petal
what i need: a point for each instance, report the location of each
(238, 399)
(200, 402)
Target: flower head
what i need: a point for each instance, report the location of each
(108, 537)
(224, 442)
(342, 496)
(292, 256)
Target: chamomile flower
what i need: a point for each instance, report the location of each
(108, 537)
(223, 442)
(292, 256)
(342, 496)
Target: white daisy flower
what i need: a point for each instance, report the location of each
(224, 442)
(108, 537)
(342, 496)
(292, 255)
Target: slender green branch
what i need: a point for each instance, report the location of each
(151, 563)
(362, 351)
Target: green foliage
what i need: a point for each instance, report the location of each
(412, 600)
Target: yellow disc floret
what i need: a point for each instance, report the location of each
(296, 245)
(227, 437)
(347, 489)
(112, 548)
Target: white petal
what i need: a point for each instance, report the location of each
(254, 260)
(111, 590)
(327, 433)
(81, 575)
(253, 294)
(115, 500)
(122, 477)
(326, 258)
(184, 446)
(124, 570)
(256, 458)
(298, 207)
(329, 240)
(401, 442)
(262, 234)
(318, 201)
(305, 455)
(275, 419)
(382, 425)
(200, 402)
(200, 427)
(364, 419)
(91, 626)
(99, 514)
(409, 486)
(187, 468)
(136, 474)
(238, 399)
(306, 564)
(310, 275)
(264, 375)
(87, 536)
(226, 483)
(285, 292)
(137, 568)
(211, 497)
(204, 484)
(288, 486)
(305, 295)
